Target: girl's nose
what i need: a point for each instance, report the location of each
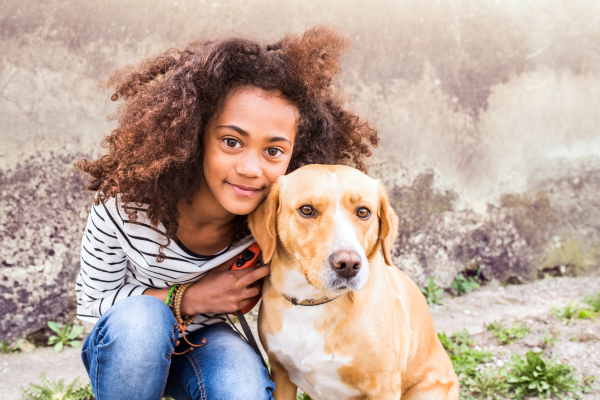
(250, 166)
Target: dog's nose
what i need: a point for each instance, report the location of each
(345, 263)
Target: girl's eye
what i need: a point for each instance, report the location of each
(273, 152)
(363, 213)
(232, 143)
(307, 211)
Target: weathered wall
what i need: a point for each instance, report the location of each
(488, 112)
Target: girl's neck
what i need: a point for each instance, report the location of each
(205, 227)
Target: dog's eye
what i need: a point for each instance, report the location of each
(363, 213)
(307, 211)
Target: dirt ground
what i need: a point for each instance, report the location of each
(577, 344)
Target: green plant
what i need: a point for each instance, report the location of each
(549, 340)
(507, 336)
(464, 357)
(57, 390)
(432, 293)
(6, 349)
(65, 336)
(464, 284)
(572, 311)
(588, 383)
(302, 396)
(485, 385)
(593, 302)
(535, 376)
(586, 313)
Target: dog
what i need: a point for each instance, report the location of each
(337, 319)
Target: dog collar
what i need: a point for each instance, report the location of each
(308, 302)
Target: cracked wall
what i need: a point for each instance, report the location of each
(487, 112)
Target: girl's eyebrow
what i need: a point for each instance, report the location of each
(246, 134)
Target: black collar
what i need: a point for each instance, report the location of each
(308, 302)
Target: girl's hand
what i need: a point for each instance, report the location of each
(223, 291)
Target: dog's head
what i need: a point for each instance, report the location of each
(323, 224)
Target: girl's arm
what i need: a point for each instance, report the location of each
(103, 266)
(219, 291)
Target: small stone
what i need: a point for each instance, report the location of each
(500, 363)
(468, 312)
(536, 350)
(26, 346)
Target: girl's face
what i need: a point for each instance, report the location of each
(247, 146)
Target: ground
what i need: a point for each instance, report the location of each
(577, 344)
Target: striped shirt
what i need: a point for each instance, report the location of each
(118, 260)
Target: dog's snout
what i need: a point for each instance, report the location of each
(345, 263)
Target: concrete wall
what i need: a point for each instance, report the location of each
(488, 112)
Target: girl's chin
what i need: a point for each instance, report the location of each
(245, 208)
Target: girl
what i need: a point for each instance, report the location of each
(201, 136)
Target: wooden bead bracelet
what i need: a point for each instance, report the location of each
(182, 322)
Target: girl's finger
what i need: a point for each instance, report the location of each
(256, 274)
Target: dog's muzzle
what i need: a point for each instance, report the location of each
(346, 264)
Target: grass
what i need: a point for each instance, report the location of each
(47, 390)
(432, 293)
(507, 336)
(531, 375)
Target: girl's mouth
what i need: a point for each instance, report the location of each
(243, 190)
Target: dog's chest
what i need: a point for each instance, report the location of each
(301, 350)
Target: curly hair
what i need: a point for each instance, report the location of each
(155, 152)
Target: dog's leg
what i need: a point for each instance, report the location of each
(284, 388)
(433, 390)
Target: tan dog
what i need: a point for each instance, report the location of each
(335, 320)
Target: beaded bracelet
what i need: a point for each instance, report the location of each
(168, 300)
(183, 323)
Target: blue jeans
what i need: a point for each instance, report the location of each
(129, 355)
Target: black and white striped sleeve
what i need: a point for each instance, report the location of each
(103, 265)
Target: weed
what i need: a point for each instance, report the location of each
(507, 336)
(485, 385)
(549, 341)
(432, 293)
(465, 359)
(586, 313)
(65, 336)
(464, 284)
(302, 396)
(6, 349)
(593, 302)
(535, 376)
(588, 383)
(57, 390)
(571, 312)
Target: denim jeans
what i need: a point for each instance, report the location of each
(129, 355)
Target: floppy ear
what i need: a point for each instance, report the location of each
(388, 225)
(263, 223)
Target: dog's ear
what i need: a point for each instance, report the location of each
(388, 225)
(263, 222)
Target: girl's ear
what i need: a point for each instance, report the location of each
(388, 225)
(263, 223)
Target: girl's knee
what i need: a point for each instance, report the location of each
(140, 321)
